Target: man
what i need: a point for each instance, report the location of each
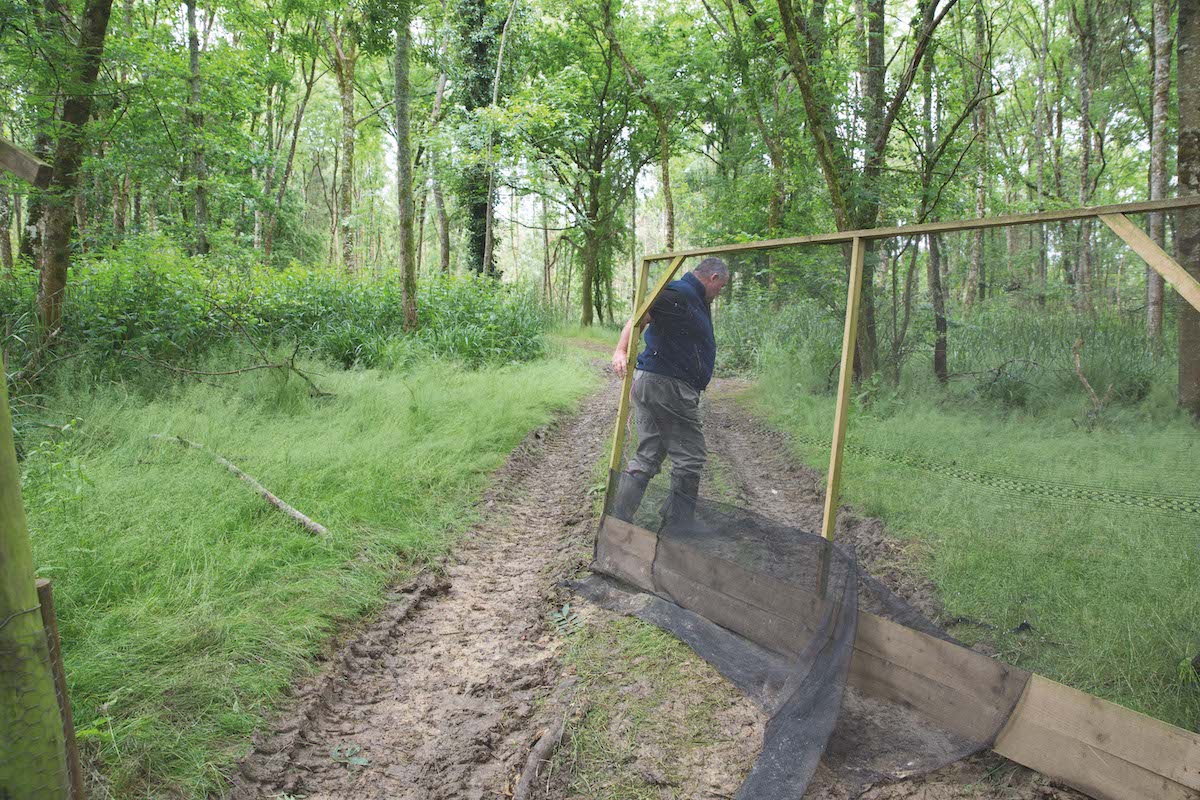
(672, 371)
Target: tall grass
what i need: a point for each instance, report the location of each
(186, 604)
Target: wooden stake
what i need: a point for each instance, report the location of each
(618, 449)
(1155, 256)
(50, 623)
(635, 339)
(849, 337)
(667, 277)
(32, 758)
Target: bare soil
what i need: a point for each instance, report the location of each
(446, 692)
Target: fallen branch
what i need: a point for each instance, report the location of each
(539, 755)
(311, 526)
(288, 365)
(1097, 404)
(544, 748)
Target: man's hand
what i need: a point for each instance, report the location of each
(620, 362)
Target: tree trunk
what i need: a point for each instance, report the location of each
(589, 256)
(404, 170)
(196, 134)
(1085, 28)
(1042, 114)
(489, 233)
(938, 299)
(664, 155)
(1188, 235)
(6, 254)
(273, 218)
(546, 284)
(971, 292)
(1160, 93)
(68, 158)
(443, 225)
(345, 58)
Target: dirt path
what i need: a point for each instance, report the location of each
(443, 696)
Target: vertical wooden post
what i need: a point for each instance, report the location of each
(45, 594)
(641, 306)
(32, 760)
(635, 339)
(849, 337)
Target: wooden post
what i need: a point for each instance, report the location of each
(1155, 257)
(642, 305)
(32, 756)
(849, 337)
(45, 594)
(635, 339)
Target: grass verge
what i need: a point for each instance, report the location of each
(1110, 593)
(187, 606)
(655, 714)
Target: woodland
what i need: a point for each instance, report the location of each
(390, 225)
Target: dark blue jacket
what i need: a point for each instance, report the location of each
(679, 340)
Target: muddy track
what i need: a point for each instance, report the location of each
(445, 693)
(439, 702)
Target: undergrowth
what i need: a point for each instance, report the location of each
(187, 605)
(147, 302)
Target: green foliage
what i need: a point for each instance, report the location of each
(147, 301)
(187, 605)
(1004, 353)
(755, 330)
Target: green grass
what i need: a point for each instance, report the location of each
(186, 604)
(598, 334)
(1111, 592)
(648, 699)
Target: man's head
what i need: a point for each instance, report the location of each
(714, 274)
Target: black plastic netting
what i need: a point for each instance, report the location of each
(775, 609)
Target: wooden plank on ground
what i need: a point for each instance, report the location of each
(24, 165)
(967, 692)
(626, 552)
(1101, 748)
(1098, 747)
(1155, 256)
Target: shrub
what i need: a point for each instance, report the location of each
(146, 301)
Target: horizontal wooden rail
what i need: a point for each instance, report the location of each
(24, 165)
(842, 237)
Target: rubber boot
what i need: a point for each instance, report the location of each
(679, 512)
(631, 487)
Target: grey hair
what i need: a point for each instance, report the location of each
(712, 266)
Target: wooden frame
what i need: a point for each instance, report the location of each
(635, 340)
(24, 165)
(1113, 216)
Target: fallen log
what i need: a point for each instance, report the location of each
(309, 525)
